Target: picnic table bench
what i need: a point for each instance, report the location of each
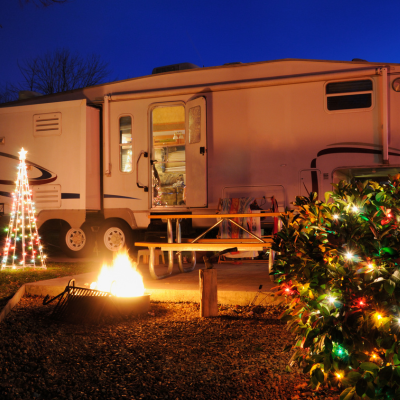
(199, 244)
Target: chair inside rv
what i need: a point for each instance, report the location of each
(168, 155)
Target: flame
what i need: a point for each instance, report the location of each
(121, 279)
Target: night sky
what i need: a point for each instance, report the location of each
(136, 36)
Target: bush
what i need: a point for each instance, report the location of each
(339, 264)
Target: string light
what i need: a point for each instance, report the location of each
(371, 267)
(349, 256)
(22, 224)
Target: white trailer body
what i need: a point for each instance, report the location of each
(180, 141)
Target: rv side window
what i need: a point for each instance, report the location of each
(194, 124)
(125, 143)
(349, 95)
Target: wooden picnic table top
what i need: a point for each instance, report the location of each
(181, 216)
(230, 240)
(205, 246)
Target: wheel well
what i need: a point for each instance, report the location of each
(53, 224)
(114, 220)
(50, 232)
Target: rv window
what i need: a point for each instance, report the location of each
(349, 95)
(195, 124)
(349, 87)
(125, 143)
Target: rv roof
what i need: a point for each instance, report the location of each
(186, 77)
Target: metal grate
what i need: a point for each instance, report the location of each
(47, 124)
(47, 196)
(79, 305)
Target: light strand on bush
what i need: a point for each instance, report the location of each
(340, 258)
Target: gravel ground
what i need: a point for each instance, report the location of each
(169, 353)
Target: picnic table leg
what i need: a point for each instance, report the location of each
(170, 236)
(271, 260)
(153, 274)
(179, 240)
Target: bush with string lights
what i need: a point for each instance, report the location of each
(339, 267)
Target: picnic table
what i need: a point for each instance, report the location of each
(199, 244)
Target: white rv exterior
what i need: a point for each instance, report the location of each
(179, 141)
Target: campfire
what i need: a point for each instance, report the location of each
(118, 290)
(121, 279)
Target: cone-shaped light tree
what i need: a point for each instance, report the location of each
(22, 248)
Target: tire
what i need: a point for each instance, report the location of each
(115, 235)
(76, 242)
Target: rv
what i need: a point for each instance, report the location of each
(102, 158)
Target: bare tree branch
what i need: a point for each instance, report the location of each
(61, 70)
(7, 94)
(42, 3)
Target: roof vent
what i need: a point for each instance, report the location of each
(174, 67)
(28, 94)
(358, 59)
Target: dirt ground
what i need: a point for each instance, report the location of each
(169, 353)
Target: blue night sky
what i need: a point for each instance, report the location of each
(136, 36)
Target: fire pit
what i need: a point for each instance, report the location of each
(119, 290)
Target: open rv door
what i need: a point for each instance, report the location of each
(196, 153)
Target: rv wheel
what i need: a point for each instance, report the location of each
(115, 235)
(76, 242)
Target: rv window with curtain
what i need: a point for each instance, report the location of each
(125, 143)
(349, 95)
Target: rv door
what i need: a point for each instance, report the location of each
(196, 153)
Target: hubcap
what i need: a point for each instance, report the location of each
(114, 239)
(75, 239)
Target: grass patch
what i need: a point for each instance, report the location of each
(11, 280)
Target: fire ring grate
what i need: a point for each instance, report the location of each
(83, 305)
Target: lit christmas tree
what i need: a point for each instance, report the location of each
(22, 248)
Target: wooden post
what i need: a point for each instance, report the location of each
(208, 293)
